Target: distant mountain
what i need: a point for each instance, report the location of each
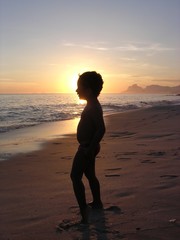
(153, 89)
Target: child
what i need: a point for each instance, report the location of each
(90, 131)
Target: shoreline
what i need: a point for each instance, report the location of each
(30, 139)
(138, 169)
(33, 138)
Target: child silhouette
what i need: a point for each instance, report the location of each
(90, 131)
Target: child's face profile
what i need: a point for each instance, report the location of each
(81, 91)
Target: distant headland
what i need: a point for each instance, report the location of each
(153, 89)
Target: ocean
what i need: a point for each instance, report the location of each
(31, 118)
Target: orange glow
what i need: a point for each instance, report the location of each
(82, 102)
(67, 83)
(70, 77)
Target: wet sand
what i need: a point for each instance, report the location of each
(138, 168)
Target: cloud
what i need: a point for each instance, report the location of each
(167, 80)
(117, 75)
(124, 47)
(143, 47)
(128, 59)
(142, 77)
(11, 80)
(86, 46)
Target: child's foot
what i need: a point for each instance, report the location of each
(95, 205)
(85, 215)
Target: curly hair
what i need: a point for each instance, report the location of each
(92, 80)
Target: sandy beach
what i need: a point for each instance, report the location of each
(138, 168)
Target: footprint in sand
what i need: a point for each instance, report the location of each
(156, 154)
(125, 194)
(114, 209)
(69, 225)
(112, 175)
(113, 169)
(168, 176)
(130, 153)
(102, 225)
(148, 161)
(67, 157)
(125, 134)
(141, 144)
(166, 184)
(125, 155)
(123, 158)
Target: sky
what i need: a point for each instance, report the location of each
(46, 44)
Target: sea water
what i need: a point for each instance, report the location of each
(31, 118)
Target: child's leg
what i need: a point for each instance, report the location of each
(94, 182)
(95, 188)
(78, 186)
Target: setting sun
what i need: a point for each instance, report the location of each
(70, 78)
(67, 83)
(73, 82)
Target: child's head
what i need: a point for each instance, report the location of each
(91, 80)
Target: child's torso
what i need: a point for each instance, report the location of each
(86, 127)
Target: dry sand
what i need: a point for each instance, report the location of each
(139, 172)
